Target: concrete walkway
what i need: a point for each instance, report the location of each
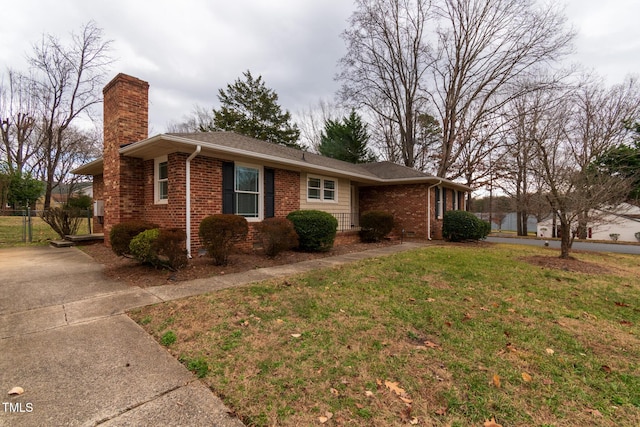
(64, 338)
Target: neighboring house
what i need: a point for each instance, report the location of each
(623, 220)
(60, 196)
(176, 180)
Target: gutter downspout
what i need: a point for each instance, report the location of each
(188, 201)
(429, 208)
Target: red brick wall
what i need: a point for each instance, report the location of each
(125, 121)
(206, 194)
(287, 194)
(407, 203)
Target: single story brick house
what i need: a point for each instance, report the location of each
(177, 179)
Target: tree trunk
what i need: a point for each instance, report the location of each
(522, 223)
(565, 238)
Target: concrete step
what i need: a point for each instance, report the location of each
(61, 243)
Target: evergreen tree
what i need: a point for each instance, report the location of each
(346, 140)
(249, 108)
(24, 190)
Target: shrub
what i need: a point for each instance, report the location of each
(160, 248)
(143, 247)
(171, 247)
(637, 234)
(462, 225)
(219, 233)
(276, 235)
(64, 221)
(121, 234)
(81, 202)
(375, 225)
(316, 229)
(614, 236)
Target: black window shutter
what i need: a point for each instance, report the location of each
(444, 200)
(269, 193)
(228, 188)
(437, 201)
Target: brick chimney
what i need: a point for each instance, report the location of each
(126, 120)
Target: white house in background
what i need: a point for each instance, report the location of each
(622, 220)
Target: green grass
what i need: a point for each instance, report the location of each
(11, 231)
(443, 323)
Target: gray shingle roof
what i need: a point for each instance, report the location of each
(245, 143)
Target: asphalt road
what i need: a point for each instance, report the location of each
(577, 245)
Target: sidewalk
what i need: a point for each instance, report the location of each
(65, 339)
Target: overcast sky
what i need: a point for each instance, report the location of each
(188, 50)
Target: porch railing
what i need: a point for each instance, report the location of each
(348, 221)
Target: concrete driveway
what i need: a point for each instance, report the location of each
(65, 340)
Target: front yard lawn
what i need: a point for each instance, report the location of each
(447, 335)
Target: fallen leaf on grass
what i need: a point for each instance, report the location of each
(441, 411)
(626, 323)
(547, 381)
(334, 391)
(491, 423)
(368, 393)
(406, 400)
(413, 421)
(467, 316)
(395, 388)
(327, 416)
(496, 380)
(431, 344)
(606, 369)
(279, 321)
(526, 377)
(296, 335)
(621, 304)
(430, 300)
(16, 391)
(549, 351)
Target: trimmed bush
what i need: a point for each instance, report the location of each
(375, 225)
(459, 226)
(121, 234)
(219, 233)
(143, 247)
(316, 229)
(160, 248)
(171, 247)
(276, 235)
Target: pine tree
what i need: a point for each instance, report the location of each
(346, 140)
(249, 108)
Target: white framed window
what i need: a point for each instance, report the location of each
(161, 180)
(321, 189)
(247, 185)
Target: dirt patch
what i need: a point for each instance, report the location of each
(135, 274)
(570, 264)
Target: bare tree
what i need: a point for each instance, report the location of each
(383, 69)
(483, 46)
(311, 121)
(201, 118)
(18, 111)
(578, 127)
(69, 82)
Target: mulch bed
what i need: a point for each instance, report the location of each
(571, 264)
(135, 274)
